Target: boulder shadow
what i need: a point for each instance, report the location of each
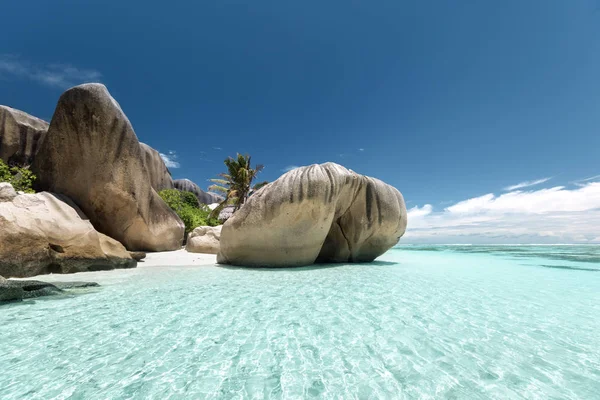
(310, 267)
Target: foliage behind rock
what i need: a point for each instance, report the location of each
(187, 207)
(20, 178)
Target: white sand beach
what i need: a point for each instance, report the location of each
(152, 262)
(177, 258)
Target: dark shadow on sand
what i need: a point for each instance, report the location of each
(310, 267)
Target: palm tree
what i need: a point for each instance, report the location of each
(236, 184)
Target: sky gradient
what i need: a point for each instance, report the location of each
(473, 110)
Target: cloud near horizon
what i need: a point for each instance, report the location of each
(553, 215)
(170, 158)
(55, 75)
(526, 184)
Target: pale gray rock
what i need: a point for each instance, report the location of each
(204, 239)
(47, 233)
(160, 177)
(315, 214)
(7, 192)
(185, 185)
(92, 155)
(20, 134)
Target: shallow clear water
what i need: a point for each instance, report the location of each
(464, 322)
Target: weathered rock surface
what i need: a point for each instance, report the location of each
(160, 177)
(47, 233)
(204, 239)
(137, 255)
(203, 197)
(92, 155)
(314, 214)
(7, 192)
(15, 290)
(20, 134)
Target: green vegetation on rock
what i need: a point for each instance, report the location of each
(20, 178)
(186, 206)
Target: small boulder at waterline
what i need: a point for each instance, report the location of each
(15, 290)
(92, 155)
(204, 239)
(47, 233)
(20, 135)
(315, 214)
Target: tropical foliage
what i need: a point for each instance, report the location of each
(236, 183)
(186, 206)
(20, 178)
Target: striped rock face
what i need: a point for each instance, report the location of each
(92, 155)
(315, 214)
(160, 177)
(20, 134)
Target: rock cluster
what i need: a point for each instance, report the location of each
(47, 233)
(320, 213)
(92, 155)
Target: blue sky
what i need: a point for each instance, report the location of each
(449, 101)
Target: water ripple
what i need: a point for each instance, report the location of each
(429, 324)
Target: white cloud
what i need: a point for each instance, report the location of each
(217, 148)
(169, 159)
(420, 212)
(56, 75)
(526, 184)
(581, 182)
(289, 168)
(554, 215)
(361, 149)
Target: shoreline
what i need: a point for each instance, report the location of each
(162, 259)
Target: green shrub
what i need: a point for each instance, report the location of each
(20, 178)
(186, 206)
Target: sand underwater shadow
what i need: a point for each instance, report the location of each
(309, 267)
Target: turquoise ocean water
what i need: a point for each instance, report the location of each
(423, 322)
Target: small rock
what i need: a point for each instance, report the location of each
(75, 285)
(204, 239)
(7, 192)
(11, 290)
(137, 255)
(10, 293)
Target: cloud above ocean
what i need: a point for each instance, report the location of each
(550, 215)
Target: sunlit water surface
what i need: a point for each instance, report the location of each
(452, 322)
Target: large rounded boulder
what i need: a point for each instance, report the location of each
(160, 177)
(92, 155)
(20, 134)
(47, 233)
(316, 214)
